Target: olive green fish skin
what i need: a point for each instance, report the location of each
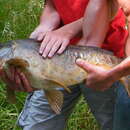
(61, 68)
(59, 71)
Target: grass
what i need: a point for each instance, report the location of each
(18, 18)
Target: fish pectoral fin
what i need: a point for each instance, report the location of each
(55, 99)
(59, 84)
(106, 67)
(125, 82)
(10, 94)
(17, 62)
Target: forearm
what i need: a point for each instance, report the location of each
(95, 23)
(123, 68)
(73, 29)
(50, 17)
(127, 47)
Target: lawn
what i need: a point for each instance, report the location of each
(18, 18)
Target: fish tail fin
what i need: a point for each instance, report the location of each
(10, 95)
(55, 99)
(126, 82)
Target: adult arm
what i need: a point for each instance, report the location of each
(95, 27)
(95, 23)
(102, 79)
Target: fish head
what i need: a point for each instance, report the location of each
(8, 57)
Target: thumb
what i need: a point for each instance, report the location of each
(33, 35)
(86, 66)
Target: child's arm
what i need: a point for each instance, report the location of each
(49, 21)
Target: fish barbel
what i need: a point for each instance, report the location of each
(60, 71)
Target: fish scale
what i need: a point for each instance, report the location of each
(60, 71)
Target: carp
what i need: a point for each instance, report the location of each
(60, 71)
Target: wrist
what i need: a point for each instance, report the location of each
(113, 76)
(94, 44)
(51, 22)
(66, 32)
(118, 72)
(46, 27)
(89, 43)
(73, 28)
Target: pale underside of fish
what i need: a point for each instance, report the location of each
(60, 71)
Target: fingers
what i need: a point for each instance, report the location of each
(63, 46)
(12, 79)
(52, 47)
(33, 35)
(7, 80)
(48, 48)
(86, 66)
(43, 45)
(11, 73)
(18, 84)
(24, 82)
(55, 47)
(16, 80)
(40, 37)
(38, 34)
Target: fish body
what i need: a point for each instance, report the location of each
(59, 71)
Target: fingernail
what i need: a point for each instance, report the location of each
(39, 39)
(79, 60)
(50, 55)
(40, 52)
(44, 56)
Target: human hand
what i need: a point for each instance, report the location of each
(98, 78)
(54, 41)
(16, 80)
(40, 32)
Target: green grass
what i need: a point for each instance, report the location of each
(18, 18)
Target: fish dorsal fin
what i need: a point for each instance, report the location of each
(17, 62)
(55, 99)
(53, 82)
